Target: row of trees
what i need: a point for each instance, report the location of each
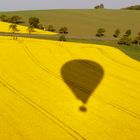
(33, 22)
(13, 19)
(101, 32)
(127, 40)
(134, 7)
(14, 28)
(101, 6)
(124, 40)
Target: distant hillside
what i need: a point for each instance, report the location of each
(85, 22)
(134, 7)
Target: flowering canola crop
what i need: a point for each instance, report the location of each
(4, 27)
(42, 88)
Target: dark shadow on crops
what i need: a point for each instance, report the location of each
(82, 77)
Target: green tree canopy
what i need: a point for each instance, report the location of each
(3, 18)
(62, 38)
(50, 28)
(101, 6)
(137, 39)
(34, 21)
(30, 29)
(117, 33)
(128, 32)
(125, 40)
(100, 32)
(63, 30)
(16, 19)
(40, 26)
(13, 27)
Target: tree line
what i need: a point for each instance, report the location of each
(124, 40)
(34, 22)
(134, 7)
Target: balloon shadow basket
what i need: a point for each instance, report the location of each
(83, 108)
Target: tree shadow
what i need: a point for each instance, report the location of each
(82, 77)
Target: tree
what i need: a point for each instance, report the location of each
(101, 6)
(63, 30)
(3, 18)
(62, 38)
(125, 40)
(40, 26)
(100, 32)
(97, 7)
(16, 19)
(8, 19)
(128, 33)
(117, 33)
(30, 29)
(13, 27)
(34, 21)
(137, 39)
(50, 28)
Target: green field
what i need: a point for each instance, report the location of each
(132, 51)
(53, 90)
(85, 22)
(86, 88)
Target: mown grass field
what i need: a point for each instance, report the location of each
(43, 83)
(85, 22)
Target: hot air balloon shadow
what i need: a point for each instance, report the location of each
(82, 77)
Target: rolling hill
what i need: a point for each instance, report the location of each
(85, 22)
(4, 27)
(53, 90)
(134, 7)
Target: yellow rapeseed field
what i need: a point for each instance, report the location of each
(4, 27)
(52, 90)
